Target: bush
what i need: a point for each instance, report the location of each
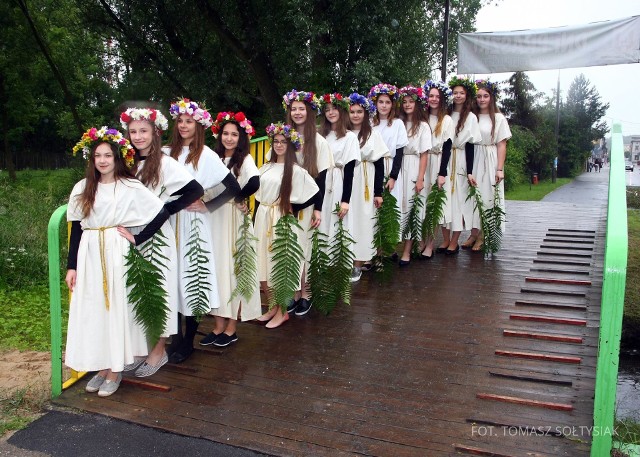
(518, 148)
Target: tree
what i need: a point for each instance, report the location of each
(519, 104)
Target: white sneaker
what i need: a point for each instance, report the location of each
(356, 274)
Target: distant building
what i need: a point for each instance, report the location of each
(634, 150)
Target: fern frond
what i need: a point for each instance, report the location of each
(434, 212)
(412, 224)
(245, 262)
(287, 258)
(319, 282)
(494, 217)
(386, 233)
(146, 288)
(198, 273)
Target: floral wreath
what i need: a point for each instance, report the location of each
(335, 99)
(491, 87)
(239, 118)
(383, 89)
(95, 136)
(186, 106)
(416, 93)
(441, 86)
(301, 96)
(287, 131)
(153, 116)
(368, 105)
(465, 82)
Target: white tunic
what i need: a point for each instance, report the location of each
(461, 208)
(485, 161)
(99, 338)
(447, 130)
(303, 188)
(361, 208)
(209, 173)
(418, 144)
(225, 223)
(344, 150)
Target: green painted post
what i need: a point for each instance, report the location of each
(55, 307)
(615, 272)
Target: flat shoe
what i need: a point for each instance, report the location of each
(426, 257)
(441, 250)
(94, 384)
(109, 387)
(404, 263)
(136, 363)
(367, 266)
(469, 243)
(225, 340)
(148, 370)
(452, 251)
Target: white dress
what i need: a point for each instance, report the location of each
(461, 208)
(210, 172)
(344, 150)
(485, 161)
(447, 130)
(225, 223)
(99, 338)
(361, 208)
(395, 137)
(418, 144)
(303, 188)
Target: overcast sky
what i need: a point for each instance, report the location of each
(617, 84)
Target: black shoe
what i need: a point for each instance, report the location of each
(452, 252)
(303, 308)
(225, 340)
(441, 249)
(181, 354)
(404, 263)
(393, 257)
(292, 306)
(209, 339)
(426, 257)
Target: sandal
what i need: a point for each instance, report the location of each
(469, 243)
(477, 246)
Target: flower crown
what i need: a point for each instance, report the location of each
(441, 86)
(153, 116)
(301, 96)
(383, 89)
(335, 99)
(94, 136)
(465, 82)
(287, 131)
(416, 93)
(226, 117)
(186, 106)
(491, 87)
(368, 105)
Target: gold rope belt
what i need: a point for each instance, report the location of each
(271, 210)
(103, 262)
(177, 230)
(366, 179)
(453, 169)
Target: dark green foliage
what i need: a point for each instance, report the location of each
(412, 224)
(197, 274)
(523, 145)
(386, 233)
(146, 286)
(491, 220)
(435, 211)
(245, 262)
(287, 258)
(342, 258)
(318, 274)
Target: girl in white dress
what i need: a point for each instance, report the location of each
(315, 157)
(415, 159)
(102, 332)
(173, 184)
(197, 280)
(233, 131)
(346, 155)
(461, 163)
(368, 178)
(491, 153)
(393, 132)
(285, 187)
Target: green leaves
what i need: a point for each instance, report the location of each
(435, 211)
(287, 258)
(245, 262)
(145, 282)
(412, 224)
(491, 220)
(198, 273)
(386, 232)
(319, 283)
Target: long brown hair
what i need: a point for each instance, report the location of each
(442, 111)
(240, 152)
(392, 113)
(150, 173)
(343, 123)
(88, 196)
(493, 109)
(286, 186)
(466, 109)
(365, 127)
(309, 131)
(195, 147)
(418, 115)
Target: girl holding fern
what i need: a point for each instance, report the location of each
(285, 189)
(235, 264)
(102, 332)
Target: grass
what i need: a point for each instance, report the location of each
(631, 319)
(20, 407)
(529, 192)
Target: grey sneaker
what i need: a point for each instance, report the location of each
(136, 363)
(148, 370)
(94, 384)
(356, 274)
(109, 387)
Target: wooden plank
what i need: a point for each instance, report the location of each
(479, 451)
(525, 401)
(569, 241)
(564, 293)
(572, 282)
(575, 263)
(539, 356)
(548, 320)
(530, 378)
(565, 247)
(145, 384)
(571, 306)
(564, 254)
(571, 230)
(564, 271)
(542, 336)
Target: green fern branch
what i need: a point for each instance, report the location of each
(287, 257)
(495, 217)
(434, 212)
(412, 224)
(245, 262)
(319, 282)
(386, 233)
(198, 273)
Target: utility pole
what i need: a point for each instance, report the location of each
(554, 170)
(445, 41)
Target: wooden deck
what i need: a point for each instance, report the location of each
(456, 356)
